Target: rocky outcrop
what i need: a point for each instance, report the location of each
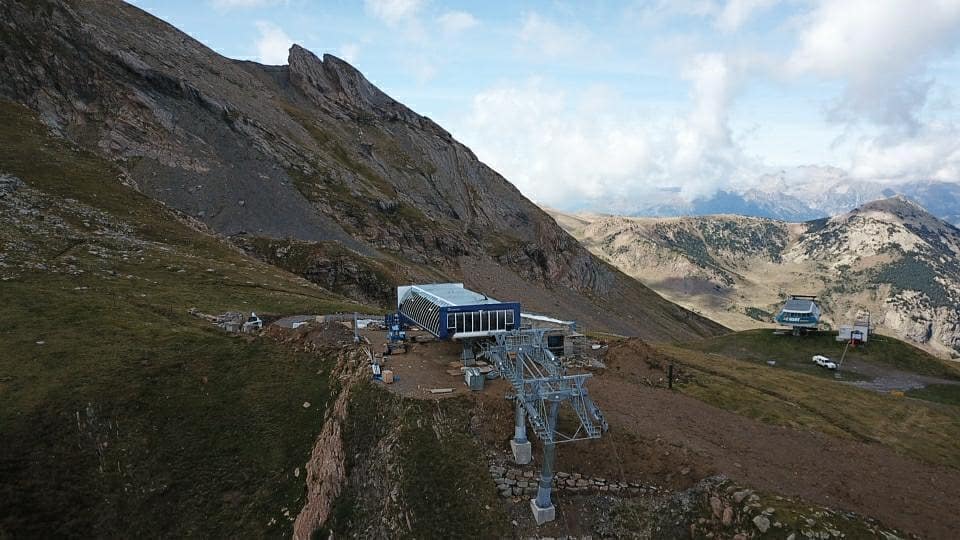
(332, 79)
(326, 468)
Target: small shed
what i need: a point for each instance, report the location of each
(858, 332)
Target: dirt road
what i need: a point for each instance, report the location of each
(667, 438)
(864, 478)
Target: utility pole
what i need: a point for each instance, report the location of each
(356, 331)
(837, 375)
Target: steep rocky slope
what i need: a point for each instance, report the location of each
(889, 257)
(344, 182)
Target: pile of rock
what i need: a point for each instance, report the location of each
(738, 512)
(9, 184)
(583, 362)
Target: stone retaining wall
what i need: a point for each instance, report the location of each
(523, 481)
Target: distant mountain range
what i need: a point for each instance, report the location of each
(806, 193)
(889, 257)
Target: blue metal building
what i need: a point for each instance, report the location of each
(450, 311)
(800, 311)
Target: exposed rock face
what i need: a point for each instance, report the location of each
(332, 79)
(889, 257)
(326, 469)
(310, 151)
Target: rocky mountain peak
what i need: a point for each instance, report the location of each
(334, 78)
(896, 203)
(902, 211)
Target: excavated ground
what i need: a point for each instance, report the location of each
(423, 367)
(865, 478)
(668, 439)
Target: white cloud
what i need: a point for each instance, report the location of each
(595, 148)
(559, 148)
(879, 49)
(933, 153)
(350, 52)
(659, 12)
(455, 22)
(728, 16)
(547, 38)
(737, 12)
(393, 11)
(896, 128)
(225, 5)
(421, 65)
(273, 44)
(705, 152)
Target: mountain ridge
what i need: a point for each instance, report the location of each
(889, 257)
(310, 152)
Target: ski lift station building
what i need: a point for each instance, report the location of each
(858, 332)
(800, 311)
(451, 311)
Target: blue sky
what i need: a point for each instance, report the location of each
(605, 104)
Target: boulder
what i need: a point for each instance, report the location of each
(716, 506)
(762, 523)
(9, 184)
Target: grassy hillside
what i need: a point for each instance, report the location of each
(121, 414)
(427, 454)
(795, 353)
(733, 376)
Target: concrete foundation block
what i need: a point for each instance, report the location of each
(522, 452)
(543, 515)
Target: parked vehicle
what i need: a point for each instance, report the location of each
(825, 362)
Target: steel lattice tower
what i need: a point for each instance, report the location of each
(541, 386)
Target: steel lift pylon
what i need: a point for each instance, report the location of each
(541, 387)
